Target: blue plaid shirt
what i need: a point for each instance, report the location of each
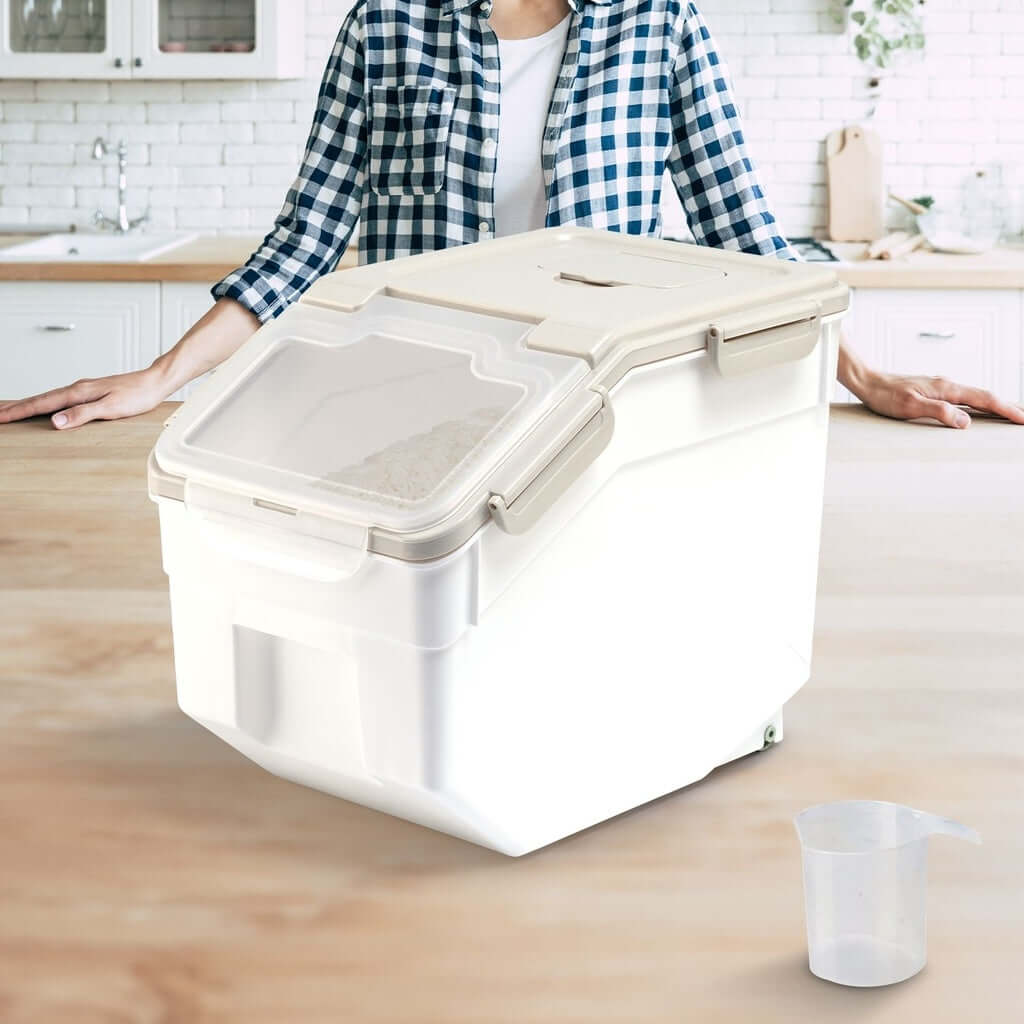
(411, 94)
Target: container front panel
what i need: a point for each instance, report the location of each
(671, 614)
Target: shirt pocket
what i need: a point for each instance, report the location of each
(409, 129)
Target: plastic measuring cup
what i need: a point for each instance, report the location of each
(865, 880)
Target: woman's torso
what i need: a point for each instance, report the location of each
(432, 83)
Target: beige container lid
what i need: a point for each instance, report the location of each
(599, 295)
(399, 405)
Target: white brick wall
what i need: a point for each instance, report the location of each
(221, 154)
(959, 109)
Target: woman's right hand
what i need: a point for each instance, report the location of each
(106, 398)
(205, 345)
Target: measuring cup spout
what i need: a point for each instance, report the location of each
(947, 827)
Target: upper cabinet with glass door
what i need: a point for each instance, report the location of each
(152, 39)
(65, 39)
(219, 38)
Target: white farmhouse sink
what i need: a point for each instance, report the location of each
(90, 247)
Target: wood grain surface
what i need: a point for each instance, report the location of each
(151, 875)
(211, 257)
(206, 259)
(999, 268)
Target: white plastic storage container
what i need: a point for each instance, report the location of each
(508, 538)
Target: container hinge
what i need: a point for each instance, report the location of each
(554, 478)
(766, 337)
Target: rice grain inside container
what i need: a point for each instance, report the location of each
(509, 538)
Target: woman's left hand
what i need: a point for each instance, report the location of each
(909, 398)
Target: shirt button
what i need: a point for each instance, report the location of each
(490, 146)
(485, 7)
(484, 227)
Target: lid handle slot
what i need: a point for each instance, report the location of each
(566, 276)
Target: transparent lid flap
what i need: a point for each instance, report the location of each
(381, 418)
(389, 417)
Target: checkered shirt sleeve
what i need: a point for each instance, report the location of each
(718, 186)
(322, 206)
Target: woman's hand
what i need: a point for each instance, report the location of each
(205, 345)
(106, 398)
(910, 398)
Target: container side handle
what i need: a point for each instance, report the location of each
(161, 483)
(310, 558)
(554, 479)
(766, 337)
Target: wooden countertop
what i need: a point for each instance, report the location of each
(209, 258)
(150, 873)
(204, 260)
(1001, 268)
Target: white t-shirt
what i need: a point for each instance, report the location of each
(529, 70)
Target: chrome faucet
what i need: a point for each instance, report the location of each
(122, 223)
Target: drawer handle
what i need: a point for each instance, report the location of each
(938, 335)
(57, 327)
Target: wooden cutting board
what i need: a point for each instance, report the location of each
(856, 196)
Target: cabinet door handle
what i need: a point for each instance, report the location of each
(138, 62)
(57, 327)
(118, 62)
(938, 335)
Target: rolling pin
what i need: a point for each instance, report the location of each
(899, 243)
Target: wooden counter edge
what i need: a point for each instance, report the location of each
(198, 273)
(207, 259)
(152, 271)
(888, 276)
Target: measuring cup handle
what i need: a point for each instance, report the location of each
(948, 827)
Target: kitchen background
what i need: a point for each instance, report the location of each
(148, 873)
(218, 155)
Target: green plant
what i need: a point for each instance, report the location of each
(884, 28)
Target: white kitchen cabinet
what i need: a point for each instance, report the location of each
(55, 333)
(83, 39)
(182, 305)
(972, 336)
(256, 39)
(152, 39)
